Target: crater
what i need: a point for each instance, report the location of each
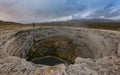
(54, 46)
(63, 44)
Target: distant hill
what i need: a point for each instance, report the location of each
(89, 23)
(7, 23)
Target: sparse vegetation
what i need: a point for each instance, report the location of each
(109, 26)
(57, 47)
(73, 23)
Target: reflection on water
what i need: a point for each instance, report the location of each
(51, 61)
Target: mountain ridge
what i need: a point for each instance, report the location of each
(7, 22)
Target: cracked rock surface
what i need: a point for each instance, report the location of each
(97, 51)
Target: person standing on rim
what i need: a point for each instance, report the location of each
(33, 25)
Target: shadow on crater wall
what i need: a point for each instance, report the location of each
(63, 43)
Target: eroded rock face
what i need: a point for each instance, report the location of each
(90, 43)
(102, 66)
(54, 46)
(99, 49)
(17, 66)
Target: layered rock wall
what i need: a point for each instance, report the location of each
(91, 43)
(99, 49)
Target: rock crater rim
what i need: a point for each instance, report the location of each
(67, 44)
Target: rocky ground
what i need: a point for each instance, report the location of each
(95, 51)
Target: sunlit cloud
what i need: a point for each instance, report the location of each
(27, 11)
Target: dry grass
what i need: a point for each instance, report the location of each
(95, 25)
(108, 26)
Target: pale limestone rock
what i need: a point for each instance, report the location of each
(103, 66)
(118, 51)
(17, 66)
(103, 45)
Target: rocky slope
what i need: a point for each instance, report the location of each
(96, 52)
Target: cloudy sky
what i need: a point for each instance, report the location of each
(27, 11)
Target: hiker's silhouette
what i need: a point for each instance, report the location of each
(33, 25)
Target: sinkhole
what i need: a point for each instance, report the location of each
(52, 51)
(51, 48)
